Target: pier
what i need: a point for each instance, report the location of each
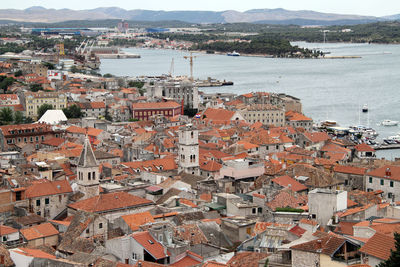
(387, 146)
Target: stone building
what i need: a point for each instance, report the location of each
(189, 150)
(265, 113)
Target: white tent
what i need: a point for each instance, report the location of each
(53, 116)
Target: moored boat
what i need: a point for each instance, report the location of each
(233, 54)
(389, 123)
(365, 108)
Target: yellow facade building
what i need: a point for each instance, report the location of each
(33, 100)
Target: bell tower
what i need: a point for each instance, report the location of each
(189, 150)
(88, 171)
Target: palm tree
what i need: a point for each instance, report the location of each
(6, 116)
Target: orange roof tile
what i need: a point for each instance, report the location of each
(393, 172)
(35, 253)
(363, 147)
(6, 230)
(379, 246)
(295, 116)
(39, 231)
(152, 246)
(48, 188)
(137, 219)
(155, 105)
(110, 201)
(350, 169)
(285, 181)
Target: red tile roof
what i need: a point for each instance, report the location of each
(218, 115)
(363, 147)
(35, 253)
(55, 141)
(39, 231)
(137, 219)
(155, 105)
(327, 245)
(285, 181)
(6, 230)
(295, 116)
(379, 246)
(167, 164)
(188, 261)
(297, 230)
(350, 169)
(110, 201)
(392, 174)
(249, 259)
(317, 137)
(48, 188)
(354, 210)
(210, 165)
(153, 247)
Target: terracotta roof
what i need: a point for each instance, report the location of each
(8, 96)
(296, 116)
(363, 147)
(210, 165)
(155, 105)
(309, 222)
(167, 164)
(297, 230)
(392, 174)
(110, 201)
(218, 115)
(214, 264)
(39, 231)
(35, 253)
(379, 246)
(249, 259)
(55, 141)
(6, 230)
(48, 188)
(285, 181)
(153, 247)
(188, 260)
(92, 105)
(137, 219)
(350, 169)
(285, 199)
(327, 245)
(354, 210)
(345, 228)
(316, 137)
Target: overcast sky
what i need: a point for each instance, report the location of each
(359, 7)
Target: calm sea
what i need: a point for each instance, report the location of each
(334, 89)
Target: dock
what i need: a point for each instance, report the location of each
(387, 146)
(118, 56)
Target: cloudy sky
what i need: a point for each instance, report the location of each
(359, 7)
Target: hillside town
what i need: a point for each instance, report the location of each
(119, 171)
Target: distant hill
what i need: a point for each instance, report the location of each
(271, 16)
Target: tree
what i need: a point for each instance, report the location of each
(107, 115)
(394, 258)
(35, 87)
(6, 116)
(49, 65)
(107, 75)
(73, 112)
(43, 108)
(5, 82)
(18, 117)
(18, 73)
(266, 262)
(137, 84)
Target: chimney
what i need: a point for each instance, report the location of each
(388, 173)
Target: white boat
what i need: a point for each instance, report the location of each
(394, 137)
(389, 123)
(363, 131)
(365, 108)
(233, 54)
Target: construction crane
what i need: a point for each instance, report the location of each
(171, 69)
(191, 57)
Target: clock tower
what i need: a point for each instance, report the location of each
(189, 150)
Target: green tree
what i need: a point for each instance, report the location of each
(49, 65)
(18, 73)
(73, 112)
(107, 115)
(394, 258)
(266, 262)
(5, 82)
(6, 116)
(18, 117)
(35, 87)
(43, 108)
(137, 84)
(107, 75)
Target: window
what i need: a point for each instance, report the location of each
(94, 175)
(254, 211)
(260, 210)
(382, 182)
(37, 202)
(59, 198)
(248, 231)
(391, 183)
(134, 256)
(87, 231)
(370, 180)
(313, 216)
(47, 201)
(390, 195)
(100, 225)
(89, 175)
